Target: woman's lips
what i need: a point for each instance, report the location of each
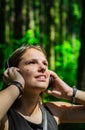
(41, 77)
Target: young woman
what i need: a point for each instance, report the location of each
(26, 78)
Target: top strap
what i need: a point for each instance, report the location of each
(44, 118)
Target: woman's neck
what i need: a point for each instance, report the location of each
(29, 104)
(30, 110)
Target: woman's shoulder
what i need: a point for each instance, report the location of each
(57, 109)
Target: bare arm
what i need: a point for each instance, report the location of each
(7, 98)
(62, 111)
(80, 97)
(73, 114)
(62, 90)
(67, 113)
(10, 94)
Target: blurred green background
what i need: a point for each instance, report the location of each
(56, 25)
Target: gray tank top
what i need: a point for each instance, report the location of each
(17, 122)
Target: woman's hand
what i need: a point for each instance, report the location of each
(13, 74)
(59, 88)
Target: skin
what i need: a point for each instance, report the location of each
(33, 74)
(34, 69)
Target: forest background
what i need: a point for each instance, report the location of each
(56, 25)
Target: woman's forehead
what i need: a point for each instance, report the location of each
(32, 52)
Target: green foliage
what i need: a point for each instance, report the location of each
(66, 60)
(29, 37)
(76, 11)
(66, 63)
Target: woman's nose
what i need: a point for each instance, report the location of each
(42, 67)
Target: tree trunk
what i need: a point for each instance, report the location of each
(18, 20)
(2, 21)
(81, 61)
(2, 35)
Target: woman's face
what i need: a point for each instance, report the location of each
(34, 69)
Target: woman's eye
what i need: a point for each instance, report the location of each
(30, 62)
(46, 64)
